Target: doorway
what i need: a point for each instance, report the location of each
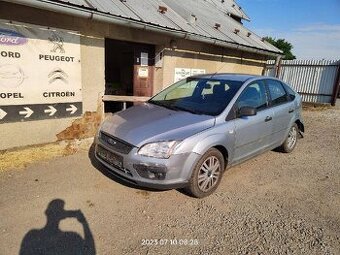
(128, 71)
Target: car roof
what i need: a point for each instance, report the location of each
(228, 76)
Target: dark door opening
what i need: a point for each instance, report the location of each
(123, 77)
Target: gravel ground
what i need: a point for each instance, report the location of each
(273, 204)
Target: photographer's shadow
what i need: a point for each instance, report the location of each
(51, 240)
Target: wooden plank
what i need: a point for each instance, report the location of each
(114, 98)
(314, 94)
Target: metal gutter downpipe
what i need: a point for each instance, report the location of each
(278, 66)
(109, 18)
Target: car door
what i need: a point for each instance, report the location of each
(283, 109)
(252, 132)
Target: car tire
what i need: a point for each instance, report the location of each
(207, 174)
(291, 140)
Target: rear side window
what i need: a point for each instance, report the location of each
(254, 96)
(290, 91)
(277, 93)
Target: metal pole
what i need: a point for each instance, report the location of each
(336, 87)
(264, 68)
(278, 66)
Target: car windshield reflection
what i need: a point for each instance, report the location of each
(198, 95)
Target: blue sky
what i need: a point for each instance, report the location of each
(312, 26)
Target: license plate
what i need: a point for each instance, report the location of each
(109, 157)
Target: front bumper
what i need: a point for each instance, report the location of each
(175, 171)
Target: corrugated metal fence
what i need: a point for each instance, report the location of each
(316, 80)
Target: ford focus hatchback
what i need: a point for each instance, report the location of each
(189, 133)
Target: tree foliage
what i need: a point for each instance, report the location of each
(283, 45)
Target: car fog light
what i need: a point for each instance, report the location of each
(153, 172)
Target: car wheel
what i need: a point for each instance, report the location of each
(207, 174)
(291, 140)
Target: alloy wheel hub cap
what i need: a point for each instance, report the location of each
(209, 174)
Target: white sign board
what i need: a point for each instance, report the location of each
(197, 71)
(39, 66)
(143, 72)
(182, 73)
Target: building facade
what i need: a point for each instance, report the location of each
(59, 58)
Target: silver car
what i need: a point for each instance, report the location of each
(189, 133)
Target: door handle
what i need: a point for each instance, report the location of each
(268, 118)
(291, 110)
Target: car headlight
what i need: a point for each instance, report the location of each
(158, 150)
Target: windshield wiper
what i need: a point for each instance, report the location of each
(188, 110)
(155, 103)
(163, 105)
(177, 108)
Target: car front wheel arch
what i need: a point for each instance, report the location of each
(300, 125)
(224, 152)
(207, 174)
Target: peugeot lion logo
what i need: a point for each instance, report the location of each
(58, 43)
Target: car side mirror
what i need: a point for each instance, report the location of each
(247, 111)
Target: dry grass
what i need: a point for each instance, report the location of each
(316, 107)
(22, 157)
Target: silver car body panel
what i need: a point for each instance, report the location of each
(148, 123)
(242, 138)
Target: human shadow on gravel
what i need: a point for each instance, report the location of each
(105, 171)
(50, 240)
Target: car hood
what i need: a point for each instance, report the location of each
(151, 123)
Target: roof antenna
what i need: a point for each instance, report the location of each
(223, 65)
(212, 76)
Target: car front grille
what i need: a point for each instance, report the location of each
(112, 159)
(115, 143)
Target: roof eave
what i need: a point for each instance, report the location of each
(84, 12)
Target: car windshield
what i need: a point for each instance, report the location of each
(198, 95)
